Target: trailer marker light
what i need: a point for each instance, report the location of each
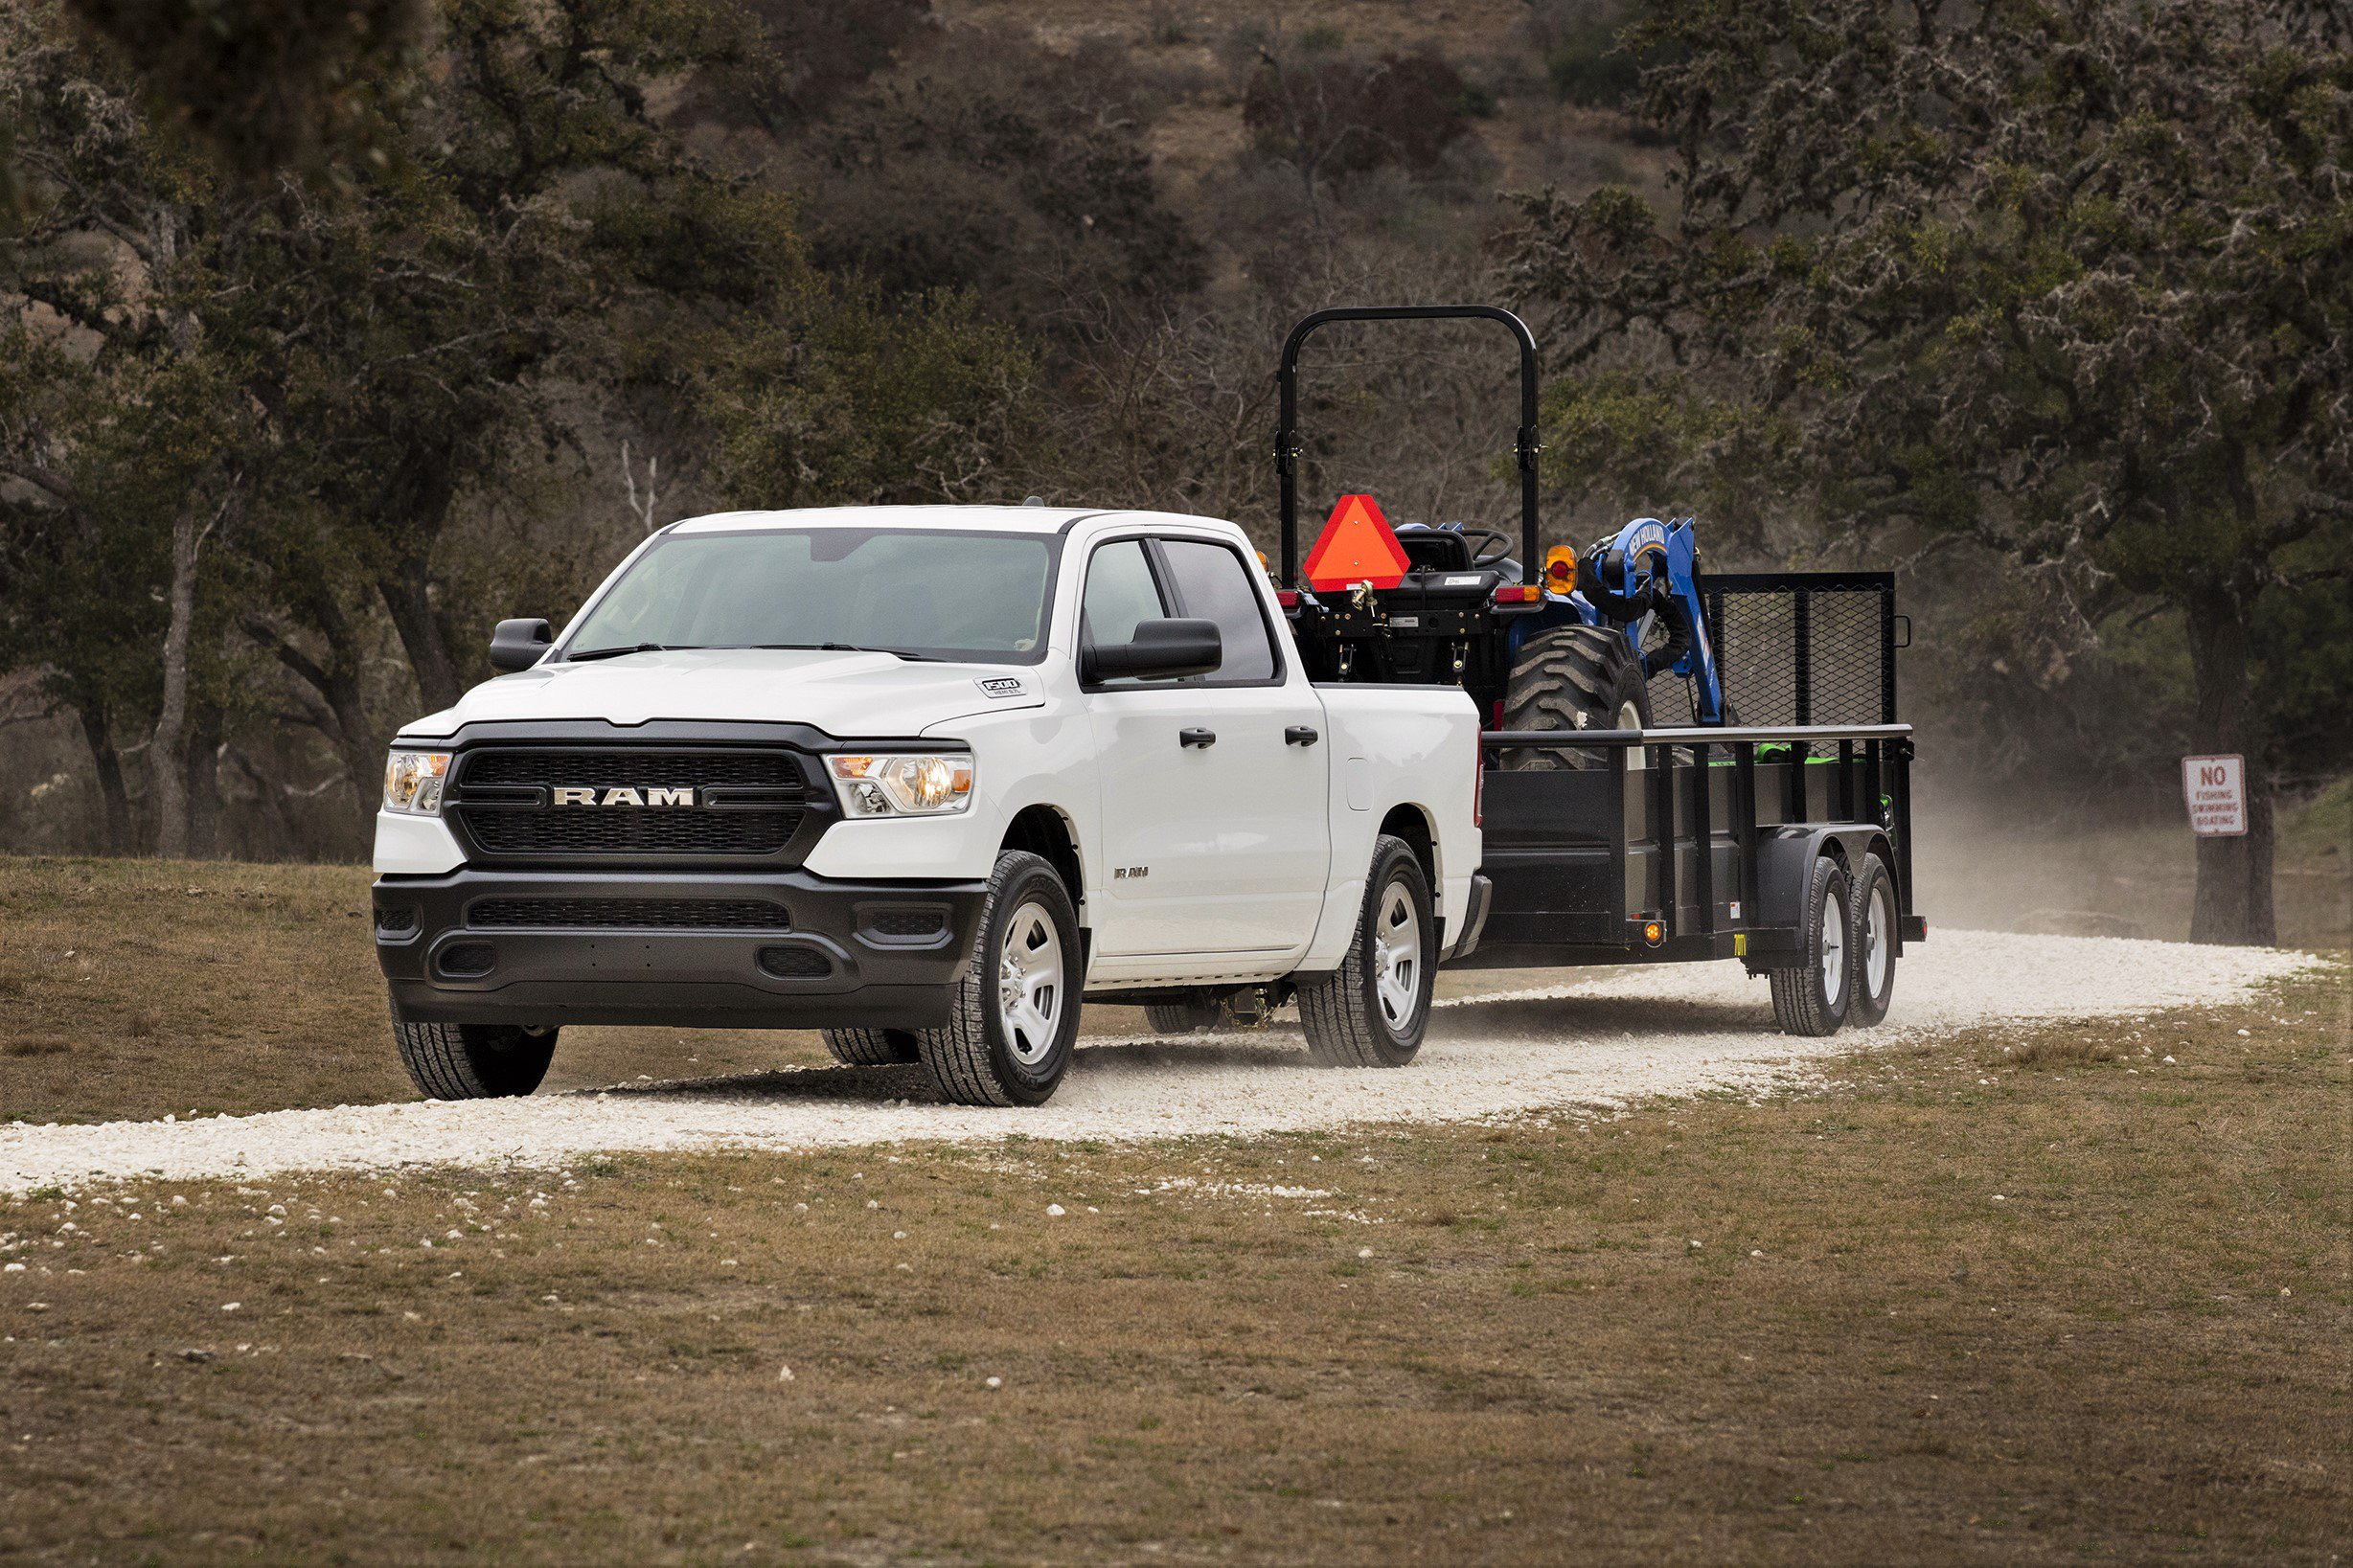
(1356, 546)
(1653, 933)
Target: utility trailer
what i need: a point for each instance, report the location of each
(1741, 792)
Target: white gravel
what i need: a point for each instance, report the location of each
(1615, 1037)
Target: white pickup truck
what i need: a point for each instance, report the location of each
(921, 776)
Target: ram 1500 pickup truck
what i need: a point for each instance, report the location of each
(922, 777)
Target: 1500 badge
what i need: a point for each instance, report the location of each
(1000, 686)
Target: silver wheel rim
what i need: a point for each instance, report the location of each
(1629, 718)
(1878, 953)
(1834, 948)
(1029, 984)
(1397, 957)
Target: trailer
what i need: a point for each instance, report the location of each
(1763, 814)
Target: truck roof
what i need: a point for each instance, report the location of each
(995, 519)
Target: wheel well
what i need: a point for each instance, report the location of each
(1412, 825)
(1045, 833)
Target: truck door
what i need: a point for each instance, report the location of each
(1213, 808)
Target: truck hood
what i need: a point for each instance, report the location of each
(845, 694)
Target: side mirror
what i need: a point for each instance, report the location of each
(519, 644)
(1161, 650)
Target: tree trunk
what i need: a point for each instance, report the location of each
(203, 781)
(97, 731)
(167, 757)
(410, 518)
(2233, 902)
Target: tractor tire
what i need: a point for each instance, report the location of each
(1372, 1011)
(1189, 1015)
(1875, 943)
(1813, 997)
(1574, 679)
(872, 1047)
(474, 1062)
(1014, 1020)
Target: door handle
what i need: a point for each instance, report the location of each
(1300, 735)
(1203, 738)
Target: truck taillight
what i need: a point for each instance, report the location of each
(1478, 783)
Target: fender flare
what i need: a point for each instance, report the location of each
(1785, 858)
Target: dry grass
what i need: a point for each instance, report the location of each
(1959, 1308)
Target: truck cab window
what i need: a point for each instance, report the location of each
(1214, 585)
(1120, 594)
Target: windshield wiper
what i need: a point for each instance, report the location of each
(845, 648)
(616, 653)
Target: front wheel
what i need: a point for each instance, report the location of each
(1811, 997)
(872, 1047)
(1014, 1016)
(474, 1062)
(1371, 1011)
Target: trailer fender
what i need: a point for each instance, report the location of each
(1785, 859)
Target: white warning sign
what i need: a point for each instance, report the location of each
(2215, 790)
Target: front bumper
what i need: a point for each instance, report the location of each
(547, 947)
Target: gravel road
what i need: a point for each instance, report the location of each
(1603, 1040)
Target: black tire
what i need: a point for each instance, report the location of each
(975, 1060)
(1875, 906)
(872, 1047)
(1806, 999)
(1189, 1015)
(1572, 678)
(474, 1062)
(1347, 1022)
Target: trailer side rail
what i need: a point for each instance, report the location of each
(1649, 854)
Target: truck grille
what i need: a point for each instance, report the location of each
(745, 804)
(631, 913)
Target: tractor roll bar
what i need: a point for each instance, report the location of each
(1287, 437)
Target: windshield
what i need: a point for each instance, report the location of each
(922, 592)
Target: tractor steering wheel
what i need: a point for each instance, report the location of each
(1502, 545)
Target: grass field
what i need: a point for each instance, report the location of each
(2009, 1296)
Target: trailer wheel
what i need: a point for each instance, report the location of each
(1811, 998)
(872, 1047)
(1371, 1010)
(1574, 679)
(1875, 939)
(1015, 1011)
(474, 1062)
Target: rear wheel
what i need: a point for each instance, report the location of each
(872, 1047)
(1875, 939)
(1574, 679)
(1014, 1016)
(474, 1062)
(1811, 997)
(1371, 1011)
(1186, 1015)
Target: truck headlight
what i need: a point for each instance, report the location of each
(413, 782)
(903, 784)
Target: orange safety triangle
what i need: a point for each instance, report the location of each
(1356, 546)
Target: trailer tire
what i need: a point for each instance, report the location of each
(1573, 678)
(1812, 997)
(474, 1062)
(1874, 946)
(872, 1047)
(1372, 1011)
(1014, 1016)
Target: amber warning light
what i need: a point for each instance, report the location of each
(1356, 546)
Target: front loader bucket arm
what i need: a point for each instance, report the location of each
(1287, 437)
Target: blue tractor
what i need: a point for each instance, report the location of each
(1572, 647)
